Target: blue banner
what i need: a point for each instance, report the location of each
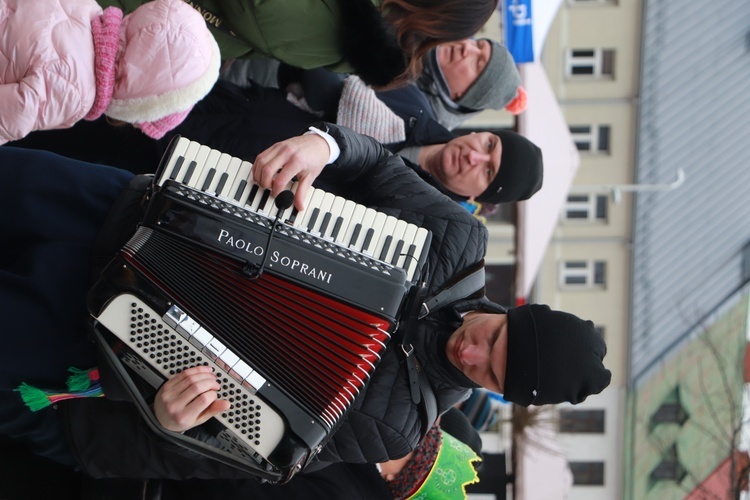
(518, 36)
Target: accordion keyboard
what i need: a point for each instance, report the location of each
(325, 215)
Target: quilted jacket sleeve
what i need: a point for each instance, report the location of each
(19, 107)
(384, 423)
(39, 101)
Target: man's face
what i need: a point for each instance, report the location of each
(462, 62)
(479, 348)
(469, 163)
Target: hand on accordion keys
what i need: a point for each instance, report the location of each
(189, 399)
(303, 157)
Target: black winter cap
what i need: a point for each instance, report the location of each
(553, 357)
(520, 173)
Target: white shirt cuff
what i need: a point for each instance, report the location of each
(333, 146)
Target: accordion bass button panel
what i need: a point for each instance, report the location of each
(252, 427)
(326, 216)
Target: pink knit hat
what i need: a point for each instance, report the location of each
(166, 61)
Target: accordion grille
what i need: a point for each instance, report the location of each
(319, 351)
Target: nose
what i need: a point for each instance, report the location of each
(475, 158)
(472, 355)
(468, 47)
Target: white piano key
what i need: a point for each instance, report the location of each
(336, 218)
(408, 238)
(371, 240)
(354, 218)
(397, 234)
(366, 224)
(324, 207)
(242, 184)
(176, 159)
(201, 156)
(221, 168)
(295, 216)
(385, 238)
(188, 165)
(265, 202)
(233, 167)
(209, 170)
(311, 210)
(411, 263)
(254, 197)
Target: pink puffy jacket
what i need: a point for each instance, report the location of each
(46, 64)
(153, 65)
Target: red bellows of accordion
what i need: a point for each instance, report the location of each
(320, 351)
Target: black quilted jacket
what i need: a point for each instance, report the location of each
(110, 441)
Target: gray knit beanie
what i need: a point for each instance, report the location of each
(498, 83)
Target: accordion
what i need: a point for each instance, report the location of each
(292, 309)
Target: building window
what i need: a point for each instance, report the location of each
(670, 468)
(583, 273)
(591, 139)
(590, 63)
(587, 473)
(586, 207)
(581, 421)
(670, 411)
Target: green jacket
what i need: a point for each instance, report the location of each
(301, 33)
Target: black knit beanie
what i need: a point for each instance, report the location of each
(553, 357)
(521, 170)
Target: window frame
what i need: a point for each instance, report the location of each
(592, 137)
(589, 207)
(596, 62)
(587, 271)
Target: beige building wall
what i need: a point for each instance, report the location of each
(607, 100)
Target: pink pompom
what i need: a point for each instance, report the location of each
(518, 104)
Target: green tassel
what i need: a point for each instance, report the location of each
(79, 380)
(34, 398)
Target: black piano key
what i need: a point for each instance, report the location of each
(264, 198)
(368, 239)
(355, 234)
(397, 252)
(313, 218)
(209, 178)
(386, 245)
(409, 254)
(324, 224)
(253, 194)
(189, 173)
(176, 168)
(293, 216)
(337, 227)
(222, 182)
(240, 190)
